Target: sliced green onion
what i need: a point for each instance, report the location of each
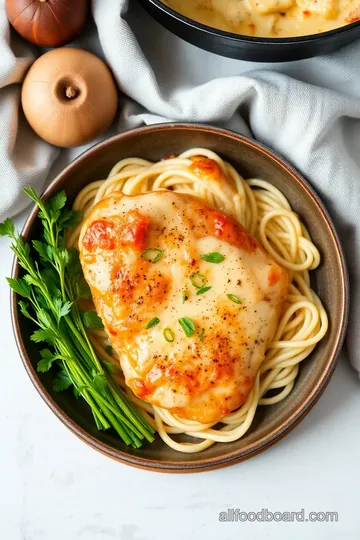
(184, 297)
(152, 255)
(203, 290)
(169, 335)
(152, 323)
(187, 325)
(201, 334)
(198, 280)
(234, 298)
(213, 257)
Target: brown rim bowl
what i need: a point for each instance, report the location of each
(271, 423)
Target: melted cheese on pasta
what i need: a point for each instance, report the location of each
(210, 372)
(270, 18)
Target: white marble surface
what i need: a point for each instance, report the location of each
(54, 487)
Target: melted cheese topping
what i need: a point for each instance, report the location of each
(270, 18)
(210, 373)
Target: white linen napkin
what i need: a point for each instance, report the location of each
(309, 111)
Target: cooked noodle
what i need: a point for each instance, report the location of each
(264, 211)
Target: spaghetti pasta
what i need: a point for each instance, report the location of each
(264, 211)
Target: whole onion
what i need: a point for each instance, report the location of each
(69, 97)
(48, 23)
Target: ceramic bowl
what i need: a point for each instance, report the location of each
(271, 423)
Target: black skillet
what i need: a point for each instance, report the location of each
(247, 47)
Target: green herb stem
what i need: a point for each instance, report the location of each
(152, 323)
(234, 298)
(187, 325)
(152, 255)
(203, 290)
(168, 334)
(198, 280)
(50, 287)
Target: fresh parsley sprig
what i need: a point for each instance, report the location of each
(51, 287)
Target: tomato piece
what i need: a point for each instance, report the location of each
(223, 228)
(140, 388)
(273, 276)
(107, 233)
(100, 234)
(205, 168)
(229, 230)
(134, 231)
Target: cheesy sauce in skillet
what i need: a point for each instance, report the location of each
(270, 18)
(190, 333)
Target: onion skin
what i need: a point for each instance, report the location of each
(48, 23)
(69, 97)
